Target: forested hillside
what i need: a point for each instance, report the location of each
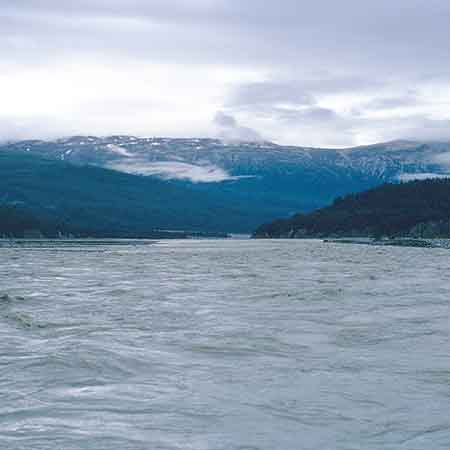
(126, 186)
(52, 196)
(414, 209)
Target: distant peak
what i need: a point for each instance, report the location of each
(398, 144)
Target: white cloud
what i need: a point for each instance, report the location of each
(119, 150)
(309, 73)
(230, 130)
(174, 171)
(93, 98)
(443, 159)
(421, 176)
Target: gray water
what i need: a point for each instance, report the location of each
(224, 345)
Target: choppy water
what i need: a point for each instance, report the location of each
(225, 345)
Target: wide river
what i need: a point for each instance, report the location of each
(224, 345)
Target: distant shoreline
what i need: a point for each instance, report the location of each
(46, 243)
(393, 242)
(95, 242)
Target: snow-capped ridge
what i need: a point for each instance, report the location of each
(214, 160)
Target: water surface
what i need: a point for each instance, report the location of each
(211, 345)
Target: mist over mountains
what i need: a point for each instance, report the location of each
(214, 160)
(128, 186)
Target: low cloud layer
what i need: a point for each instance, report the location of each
(421, 176)
(173, 171)
(321, 73)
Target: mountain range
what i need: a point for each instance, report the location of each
(130, 186)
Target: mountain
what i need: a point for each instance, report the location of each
(412, 209)
(198, 184)
(92, 201)
(215, 161)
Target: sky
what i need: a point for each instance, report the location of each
(325, 73)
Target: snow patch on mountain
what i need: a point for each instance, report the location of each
(214, 160)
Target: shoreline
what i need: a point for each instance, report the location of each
(394, 242)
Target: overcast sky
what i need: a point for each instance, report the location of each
(317, 73)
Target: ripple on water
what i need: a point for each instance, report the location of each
(211, 345)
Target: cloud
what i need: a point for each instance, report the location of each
(421, 176)
(311, 73)
(442, 159)
(174, 171)
(251, 95)
(224, 120)
(309, 116)
(117, 150)
(230, 130)
(333, 115)
(426, 129)
(297, 33)
(389, 103)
